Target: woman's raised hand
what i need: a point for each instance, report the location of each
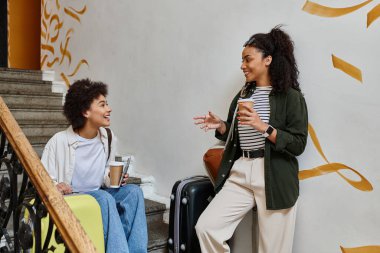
(208, 121)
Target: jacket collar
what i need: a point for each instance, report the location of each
(73, 141)
(71, 138)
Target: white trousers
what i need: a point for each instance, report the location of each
(244, 189)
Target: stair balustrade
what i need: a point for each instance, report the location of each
(26, 185)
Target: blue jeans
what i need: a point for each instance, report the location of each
(124, 221)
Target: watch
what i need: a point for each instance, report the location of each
(268, 132)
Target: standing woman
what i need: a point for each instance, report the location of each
(259, 166)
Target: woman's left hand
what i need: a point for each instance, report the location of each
(249, 117)
(124, 179)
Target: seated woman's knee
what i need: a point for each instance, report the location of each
(103, 197)
(132, 191)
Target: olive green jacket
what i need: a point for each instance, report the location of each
(288, 115)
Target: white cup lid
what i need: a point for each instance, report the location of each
(114, 163)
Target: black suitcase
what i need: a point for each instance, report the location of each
(189, 199)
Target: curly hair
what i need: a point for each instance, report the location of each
(283, 70)
(79, 98)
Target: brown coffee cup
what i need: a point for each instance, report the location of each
(116, 171)
(243, 103)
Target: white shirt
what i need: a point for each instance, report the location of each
(90, 164)
(58, 156)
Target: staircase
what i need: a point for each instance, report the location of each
(38, 111)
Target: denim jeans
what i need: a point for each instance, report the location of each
(124, 221)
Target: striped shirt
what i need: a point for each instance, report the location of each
(250, 138)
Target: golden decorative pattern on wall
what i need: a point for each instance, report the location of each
(330, 12)
(363, 184)
(365, 249)
(347, 68)
(54, 36)
(373, 14)
(325, 11)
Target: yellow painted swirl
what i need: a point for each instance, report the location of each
(83, 61)
(364, 249)
(72, 14)
(65, 79)
(51, 31)
(325, 11)
(316, 143)
(57, 4)
(373, 15)
(347, 68)
(48, 48)
(363, 184)
(65, 52)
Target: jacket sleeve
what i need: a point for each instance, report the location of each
(48, 159)
(292, 139)
(223, 137)
(106, 180)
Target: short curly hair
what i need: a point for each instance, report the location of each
(78, 100)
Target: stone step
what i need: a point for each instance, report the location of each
(157, 229)
(39, 116)
(154, 211)
(134, 180)
(33, 101)
(39, 148)
(21, 74)
(158, 236)
(26, 87)
(42, 129)
(39, 139)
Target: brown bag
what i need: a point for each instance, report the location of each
(212, 159)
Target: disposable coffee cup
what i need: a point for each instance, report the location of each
(243, 103)
(116, 171)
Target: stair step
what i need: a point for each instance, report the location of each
(42, 130)
(26, 87)
(39, 116)
(21, 74)
(154, 211)
(158, 236)
(39, 139)
(39, 148)
(134, 180)
(37, 102)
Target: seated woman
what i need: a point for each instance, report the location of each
(77, 160)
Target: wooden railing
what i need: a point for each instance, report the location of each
(21, 161)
